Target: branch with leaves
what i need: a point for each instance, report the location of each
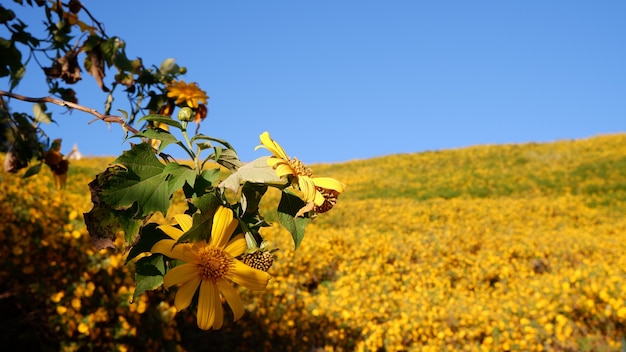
(216, 243)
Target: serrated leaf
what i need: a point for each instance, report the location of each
(288, 207)
(257, 171)
(162, 119)
(178, 176)
(143, 182)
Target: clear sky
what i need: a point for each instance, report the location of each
(339, 80)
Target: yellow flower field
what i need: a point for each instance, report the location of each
(489, 248)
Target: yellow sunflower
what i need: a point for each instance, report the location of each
(209, 266)
(312, 188)
(190, 93)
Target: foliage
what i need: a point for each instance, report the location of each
(221, 224)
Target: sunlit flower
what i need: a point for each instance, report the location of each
(208, 267)
(312, 188)
(190, 93)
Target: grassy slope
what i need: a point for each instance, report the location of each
(595, 167)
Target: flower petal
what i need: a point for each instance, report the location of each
(236, 246)
(171, 231)
(319, 198)
(185, 293)
(180, 274)
(272, 146)
(232, 298)
(180, 251)
(223, 226)
(209, 306)
(248, 277)
(329, 183)
(185, 221)
(307, 187)
(284, 169)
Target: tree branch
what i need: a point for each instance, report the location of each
(70, 105)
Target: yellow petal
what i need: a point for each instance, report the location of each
(180, 275)
(236, 246)
(284, 169)
(248, 277)
(329, 183)
(209, 306)
(307, 187)
(232, 298)
(171, 231)
(185, 221)
(272, 146)
(223, 227)
(180, 251)
(319, 198)
(185, 293)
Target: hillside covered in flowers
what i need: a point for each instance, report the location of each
(495, 248)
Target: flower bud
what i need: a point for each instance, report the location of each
(185, 114)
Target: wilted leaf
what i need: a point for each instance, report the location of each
(65, 67)
(102, 226)
(257, 171)
(94, 64)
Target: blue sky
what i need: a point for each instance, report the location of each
(334, 81)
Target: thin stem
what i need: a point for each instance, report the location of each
(70, 105)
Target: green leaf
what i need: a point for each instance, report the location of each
(143, 182)
(164, 136)
(202, 222)
(200, 137)
(146, 283)
(152, 265)
(39, 111)
(228, 158)
(178, 176)
(162, 119)
(288, 207)
(148, 236)
(257, 171)
(207, 202)
(33, 170)
(206, 179)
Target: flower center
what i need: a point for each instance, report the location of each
(214, 263)
(330, 199)
(299, 168)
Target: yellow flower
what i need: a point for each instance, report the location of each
(209, 267)
(190, 93)
(312, 188)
